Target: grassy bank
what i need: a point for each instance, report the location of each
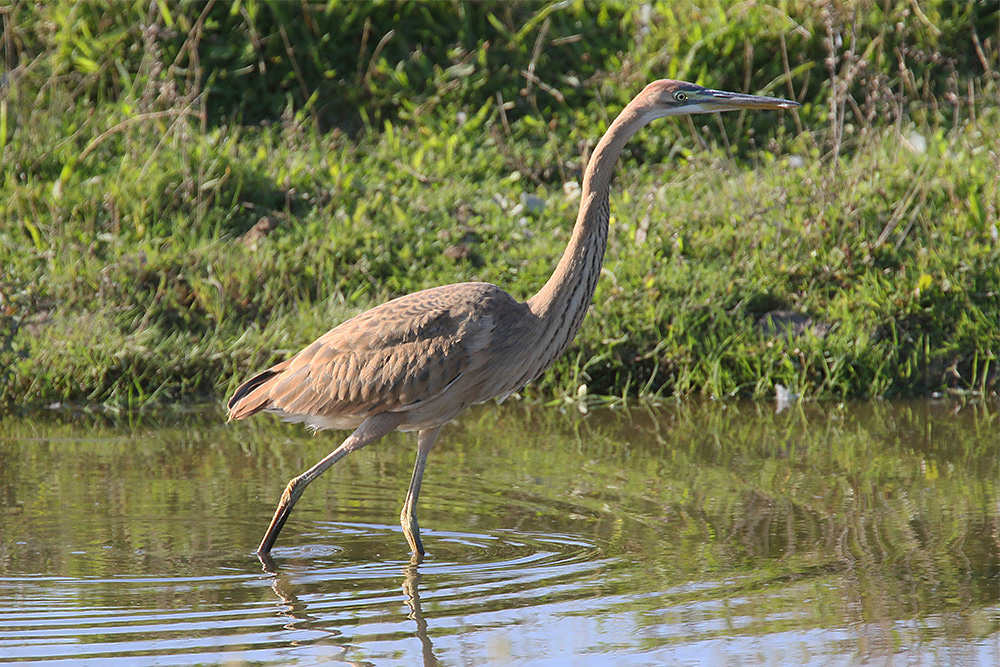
(192, 192)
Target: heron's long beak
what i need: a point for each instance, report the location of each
(720, 100)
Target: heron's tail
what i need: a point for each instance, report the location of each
(252, 396)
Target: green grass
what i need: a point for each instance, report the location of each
(131, 168)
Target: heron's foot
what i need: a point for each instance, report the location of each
(412, 533)
(291, 494)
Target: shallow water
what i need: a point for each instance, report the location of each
(691, 534)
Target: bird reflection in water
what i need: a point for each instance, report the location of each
(411, 591)
(297, 611)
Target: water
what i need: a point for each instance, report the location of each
(692, 534)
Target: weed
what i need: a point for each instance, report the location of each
(192, 191)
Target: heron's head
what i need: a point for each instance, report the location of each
(667, 97)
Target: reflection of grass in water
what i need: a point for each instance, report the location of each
(827, 516)
(856, 493)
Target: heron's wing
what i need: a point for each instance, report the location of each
(390, 358)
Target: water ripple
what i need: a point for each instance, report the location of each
(556, 549)
(292, 614)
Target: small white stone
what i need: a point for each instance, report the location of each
(916, 142)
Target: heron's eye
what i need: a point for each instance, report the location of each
(680, 97)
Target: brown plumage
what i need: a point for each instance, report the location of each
(414, 363)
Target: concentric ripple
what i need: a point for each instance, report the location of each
(308, 605)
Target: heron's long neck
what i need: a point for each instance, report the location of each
(562, 302)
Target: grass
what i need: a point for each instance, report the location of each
(389, 146)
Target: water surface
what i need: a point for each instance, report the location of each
(689, 534)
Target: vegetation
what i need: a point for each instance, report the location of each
(191, 191)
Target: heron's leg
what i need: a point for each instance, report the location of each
(408, 517)
(370, 430)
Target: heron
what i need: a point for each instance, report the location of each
(415, 362)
